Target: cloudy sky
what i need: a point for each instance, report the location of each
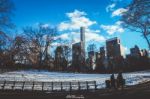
(100, 17)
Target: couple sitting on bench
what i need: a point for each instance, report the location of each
(115, 83)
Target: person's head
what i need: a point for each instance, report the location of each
(112, 75)
(120, 71)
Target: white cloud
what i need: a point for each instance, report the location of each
(55, 44)
(118, 12)
(77, 19)
(93, 31)
(74, 37)
(111, 29)
(90, 35)
(76, 14)
(94, 37)
(45, 25)
(63, 36)
(71, 28)
(116, 0)
(126, 49)
(118, 22)
(110, 7)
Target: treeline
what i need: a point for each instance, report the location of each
(128, 64)
(137, 63)
(30, 49)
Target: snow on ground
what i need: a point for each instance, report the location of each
(45, 76)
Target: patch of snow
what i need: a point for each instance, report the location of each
(132, 78)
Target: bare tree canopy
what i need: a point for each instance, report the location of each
(6, 9)
(137, 18)
(4, 41)
(91, 47)
(40, 39)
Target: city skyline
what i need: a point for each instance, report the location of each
(101, 19)
(89, 49)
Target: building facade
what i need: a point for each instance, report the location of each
(135, 52)
(78, 52)
(115, 53)
(114, 48)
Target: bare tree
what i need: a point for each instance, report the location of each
(67, 53)
(4, 45)
(19, 49)
(59, 56)
(4, 39)
(6, 9)
(40, 39)
(91, 47)
(91, 56)
(137, 18)
(62, 54)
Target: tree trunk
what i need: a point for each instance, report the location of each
(148, 42)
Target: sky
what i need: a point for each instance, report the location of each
(101, 18)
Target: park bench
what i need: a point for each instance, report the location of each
(47, 86)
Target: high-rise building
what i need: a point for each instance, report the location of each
(145, 53)
(135, 51)
(102, 52)
(76, 55)
(115, 54)
(82, 34)
(103, 59)
(92, 59)
(114, 48)
(60, 60)
(78, 51)
(82, 38)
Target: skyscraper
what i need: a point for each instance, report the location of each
(78, 51)
(114, 48)
(135, 51)
(115, 54)
(82, 38)
(82, 34)
(102, 52)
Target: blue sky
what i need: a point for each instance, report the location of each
(100, 17)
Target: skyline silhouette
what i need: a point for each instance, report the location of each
(101, 19)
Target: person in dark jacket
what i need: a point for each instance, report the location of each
(112, 80)
(120, 80)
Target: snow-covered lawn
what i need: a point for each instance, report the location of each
(45, 76)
